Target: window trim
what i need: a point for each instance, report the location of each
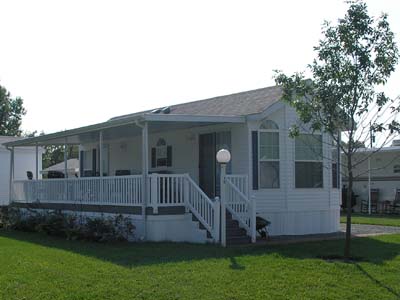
(311, 161)
(259, 132)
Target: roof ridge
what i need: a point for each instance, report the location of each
(195, 101)
(226, 95)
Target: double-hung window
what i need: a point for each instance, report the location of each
(269, 175)
(308, 161)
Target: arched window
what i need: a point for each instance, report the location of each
(161, 142)
(269, 169)
(269, 125)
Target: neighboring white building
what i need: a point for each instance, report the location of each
(72, 168)
(25, 160)
(384, 173)
(172, 178)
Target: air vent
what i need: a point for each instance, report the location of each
(166, 110)
(156, 111)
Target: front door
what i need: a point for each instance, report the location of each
(207, 163)
(209, 171)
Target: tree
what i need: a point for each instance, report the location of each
(55, 154)
(343, 98)
(11, 112)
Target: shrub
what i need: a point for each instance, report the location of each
(19, 220)
(3, 216)
(98, 229)
(108, 229)
(58, 224)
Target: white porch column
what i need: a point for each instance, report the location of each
(11, 174)
(145, 158)
(37, 162)
(65, 171)
(101, 152)
(65, 159)
(101, 197)
(145, 171)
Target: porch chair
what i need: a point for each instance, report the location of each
(122, 172)
(29, 174)
(374, 202)
(395, 206)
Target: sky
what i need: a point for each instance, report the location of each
(77, 63)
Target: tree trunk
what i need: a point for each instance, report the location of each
(348, 209)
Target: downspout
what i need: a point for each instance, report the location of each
(11, 173)
(144, 175)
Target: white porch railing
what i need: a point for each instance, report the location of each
(115, 190)
(164, 190)
(238, 203)
(180, 190)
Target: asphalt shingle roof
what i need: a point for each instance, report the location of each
(238, 104)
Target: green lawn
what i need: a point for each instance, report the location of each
(34, 266)
(373, 219)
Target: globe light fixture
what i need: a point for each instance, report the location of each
(223, 156)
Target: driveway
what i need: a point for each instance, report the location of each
(357, 230)
(368, 230)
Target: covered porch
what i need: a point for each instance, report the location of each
(150, 164)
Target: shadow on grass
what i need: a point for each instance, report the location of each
(373, 250)
(377, 282)
(234, 264)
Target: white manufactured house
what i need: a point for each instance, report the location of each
(25, 161)
(160, 167)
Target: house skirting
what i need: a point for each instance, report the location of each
(169, 224)
(303, 222)
(116, 209)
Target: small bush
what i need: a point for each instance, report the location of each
(99, 230)
(18, 220)
(3, 216)
(56, 224)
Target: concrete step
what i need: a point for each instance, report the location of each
(201, 226)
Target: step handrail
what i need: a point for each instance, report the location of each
(234, 187)
(212, 225)
(194, 184)
(246, 217)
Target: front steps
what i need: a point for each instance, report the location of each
(235, 235)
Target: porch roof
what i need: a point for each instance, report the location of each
(234, 108)
(123, 127)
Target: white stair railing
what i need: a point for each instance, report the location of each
(203, 208)
(238, 203)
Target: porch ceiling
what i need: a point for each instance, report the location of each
(125, 128)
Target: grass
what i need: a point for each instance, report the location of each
(373, 219)
(34, 266)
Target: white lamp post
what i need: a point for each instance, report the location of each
(223, 158)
